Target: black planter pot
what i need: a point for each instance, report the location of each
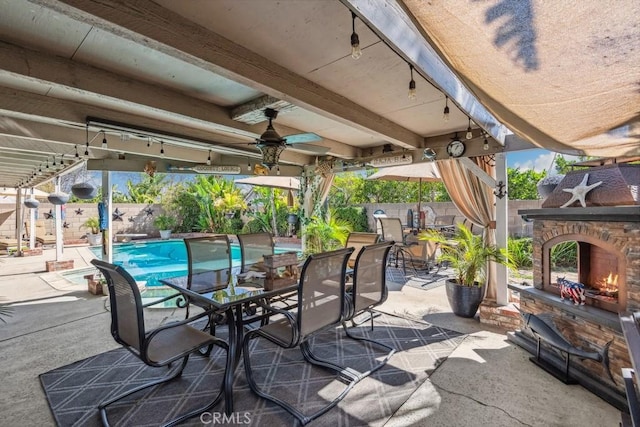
(464, 300)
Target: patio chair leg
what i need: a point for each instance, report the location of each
(175, 374)
(390, 353)
(300, 417)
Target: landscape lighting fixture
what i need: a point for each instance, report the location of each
(356, 52)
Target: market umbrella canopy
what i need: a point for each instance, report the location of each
(415, 172)
(282, 182)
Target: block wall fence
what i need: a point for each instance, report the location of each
(135, 219)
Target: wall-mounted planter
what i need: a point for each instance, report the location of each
(84, 190)
(58, 198)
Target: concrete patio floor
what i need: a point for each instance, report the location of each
(485, 381)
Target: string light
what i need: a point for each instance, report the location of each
(148, 142)
(104, 139)
(209, 159)
(248, 165)
(77, 155)
(278, 170)
(412, 86)
(445, 113)
(485, 146)
(356, 52)
(469, 134)
(161, 148)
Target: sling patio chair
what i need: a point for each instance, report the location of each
(209, 263)
(253, 246)
(392, 232)
(158, 347)
(321, 298)
(357, 241)
(369, 290)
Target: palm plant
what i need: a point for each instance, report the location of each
(467, 254)
(325, 234)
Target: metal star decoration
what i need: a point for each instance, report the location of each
(79, 211)
(148, 211)
(65, 225)
(49, 215)
(579, 192)
(117, 215)
(131, 219)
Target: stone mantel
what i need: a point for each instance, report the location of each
(590, 213)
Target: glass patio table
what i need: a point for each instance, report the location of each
(230, 299)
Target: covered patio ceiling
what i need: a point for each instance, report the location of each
(193, 79)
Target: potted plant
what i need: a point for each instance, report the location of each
(468, 256)
(94, 236)
(165, 224)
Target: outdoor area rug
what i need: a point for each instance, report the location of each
(418, 278)
(74, 391)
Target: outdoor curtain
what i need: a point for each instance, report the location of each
(475, 200)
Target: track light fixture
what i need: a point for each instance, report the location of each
(445, 113)
(356, 52)
(209, 159)
(412, 86)
(469, 134)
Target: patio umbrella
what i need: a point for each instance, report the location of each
(415, 172)
(281, 182)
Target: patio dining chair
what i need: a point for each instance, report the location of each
(392, 232)
(158, 347)
(321, 298)
(209, 263)
(253, 246)
(369, 290)
(357, 241)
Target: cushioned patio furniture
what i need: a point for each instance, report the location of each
(159, 347)
(252, 248)
(357, 241)
(41, 233)
(321, 298)
(369, 289)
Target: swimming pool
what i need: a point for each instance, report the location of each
(152, 261)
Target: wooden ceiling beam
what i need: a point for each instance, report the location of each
(151, 25)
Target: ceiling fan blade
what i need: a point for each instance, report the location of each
(302, 138)
(310, 148)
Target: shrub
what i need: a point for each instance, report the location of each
(521, 252)
(355, 216)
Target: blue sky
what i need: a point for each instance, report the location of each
(537, 160)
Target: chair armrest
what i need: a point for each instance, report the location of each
(150, 335)
(149, 304)
(289, 317)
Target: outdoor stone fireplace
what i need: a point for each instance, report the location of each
(606, 234)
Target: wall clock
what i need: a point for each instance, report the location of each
(455, 148)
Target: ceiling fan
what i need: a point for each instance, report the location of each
(271, 144)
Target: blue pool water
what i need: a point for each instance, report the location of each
(159, 259)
